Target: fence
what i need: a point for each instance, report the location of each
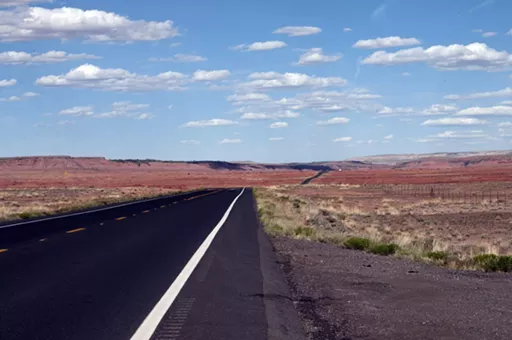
(447, 193)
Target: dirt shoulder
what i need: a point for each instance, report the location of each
(346, 294)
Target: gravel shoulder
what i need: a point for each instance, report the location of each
(346, 294)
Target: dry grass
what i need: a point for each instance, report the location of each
(423, 228)
(27, 203)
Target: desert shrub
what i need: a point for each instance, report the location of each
(504, 263)
(357, 243)
(304, 231)
(28, 215)
(487, 262)
(274, 230)
(440, 256)
(296, 203)
(383, 249)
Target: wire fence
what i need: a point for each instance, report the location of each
(447, 193)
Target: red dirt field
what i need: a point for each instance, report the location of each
(498, 173)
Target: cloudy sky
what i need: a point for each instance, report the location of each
(266, 80)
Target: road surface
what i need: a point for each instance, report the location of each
(190, 267)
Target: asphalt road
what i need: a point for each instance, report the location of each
(104, 275)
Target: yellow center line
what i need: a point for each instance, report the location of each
(74, 230)
(121, 218)
(145, 211)
(3, 250)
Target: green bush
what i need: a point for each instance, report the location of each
(493, 263)
(383, 249)
(440, 256)
(28, 215)
(304, 231)
(357, 243)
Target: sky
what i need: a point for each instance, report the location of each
(267, 81)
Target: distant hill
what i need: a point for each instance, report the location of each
(408, 161)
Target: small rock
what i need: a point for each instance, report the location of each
(367, 265)
(413, 272)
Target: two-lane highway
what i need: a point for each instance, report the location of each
(190, 267)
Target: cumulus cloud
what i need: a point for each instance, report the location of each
(90, 76)
(475, 56)
(276, 138)
(506, 92)
(30, 94)
(460, 134)
(144, 116)
(36, 23)
(342, 139)
(367, 141)
(438, 109)
(394, 111)
(388, 137)
(347, 29)
(278, 125)
(8, 82)
(386, 42)
(78, 111)
(454, 122)
(211, 122)
(10, 99)
(505, 124)
(201, 75)
(433, 110)
(243, 98)
(271, 80)
(498, 110)
(298, 31)
(260, 46)
(16, 58)
(333, 121)
(190, 142)
(316, 56)
(128, 110)
(180, 58)
(273, 115)
(230, 141)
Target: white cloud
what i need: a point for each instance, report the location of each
(8, 82)
(481, 5)
(201, 75)
(438, 109)
(477, 30)
(144, 116)
(386, 42)
(454, 122)
(66, 122)
(506, 102)
(406, 74)
(347, 29)
(489, 34)
(367, 141)
(14, 3)
(298, 31)
(278, 125)
(505, 124)
(36, 23)
(16, 58)
(175, 44)
(460, 134)
(273, 115)
(433, 110)
(395, 111)
(333, 121)
(10, 99)
(230, 141)
(388, 137)
(260, 46)
(269, 80)
(180, 58)
(342, 139)
(276, 138)
(379, 11)
(475, 56)
(128, 106)
(90, 76)
(506, 92)
(316, 56)
(498, 110)
(78, 111)
(242, 98)
(211, 122)
(30, 94)
(190, 142)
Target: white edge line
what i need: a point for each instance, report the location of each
(148, 327)
(93, 211)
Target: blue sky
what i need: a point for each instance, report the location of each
(269, 81)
